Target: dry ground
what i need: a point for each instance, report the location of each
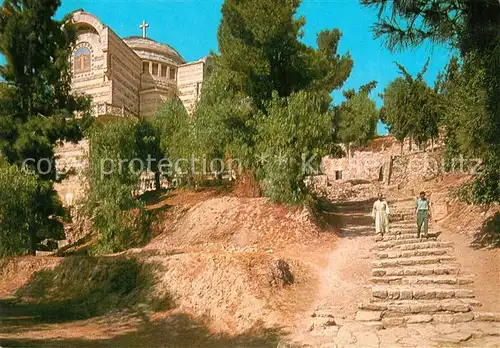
(207, 268)
(202, 281)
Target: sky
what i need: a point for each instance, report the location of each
(190, 26)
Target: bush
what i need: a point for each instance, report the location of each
(17, 198)
(484, 189)
(293, 131)
(118, 218)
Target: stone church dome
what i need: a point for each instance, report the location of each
(131, 77)
(150, 49)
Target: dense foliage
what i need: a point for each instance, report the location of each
(174, 129)
(291, 139)
(473, 28)
(118, 217)
(17, 196)
(466, 118)
(36, 108)
(357, 117)
(411, 108)
(120, 153)
(262, 63)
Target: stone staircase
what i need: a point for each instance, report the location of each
(416, 280)
(418, 296)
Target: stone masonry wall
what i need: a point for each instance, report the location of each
(415, 167)
(71, 159)
(189, 83)
(382, 161)
(125, 72)
(93, 82)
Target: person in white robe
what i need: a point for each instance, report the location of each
(380, 213)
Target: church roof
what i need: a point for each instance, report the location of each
(150, 45)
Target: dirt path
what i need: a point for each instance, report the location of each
(343, 281)
(483, 264)
(403, 296)
(345, 278)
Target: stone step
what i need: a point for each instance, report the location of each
(413, 246)
(395, 227)
(448, 269)
(397, 242)
(368, 315)
(403, 223)
(401, 235)
(404, 307)
(409, 237)
(438, 318)
(400, 231)
(412, 280)
(411, 261)
(419, 292)
(393, 254)
(487, 316)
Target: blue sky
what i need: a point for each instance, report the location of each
(190, 26)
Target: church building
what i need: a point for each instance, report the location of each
(125, 77)
(130, 77)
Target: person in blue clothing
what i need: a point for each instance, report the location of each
(423, 211)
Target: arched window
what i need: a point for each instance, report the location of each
(82, 60)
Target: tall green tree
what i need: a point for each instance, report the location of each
(466, 120)
(39, 108)
(262, 58)
(395, 113)
(357, 117)
(292, 138)
(261, 52)
(411, 108)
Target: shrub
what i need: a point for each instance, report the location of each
(17, 199)
(118, 218)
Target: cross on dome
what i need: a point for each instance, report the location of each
(144, 26)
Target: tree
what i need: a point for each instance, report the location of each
(411, 108)
(260, 51)
(118, 218)
(259, 47)
(262, 58)
(17, 196)
(291, 140)
(396, 112)
(472, 27)
(148, 141)
(174, 129)
(467, 25)
(357, 117)
(39, 108)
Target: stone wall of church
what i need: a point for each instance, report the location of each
(152, 100)
(72, 161)
(93, 82)
(154, 92)
(125, 73)
(189, 82)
